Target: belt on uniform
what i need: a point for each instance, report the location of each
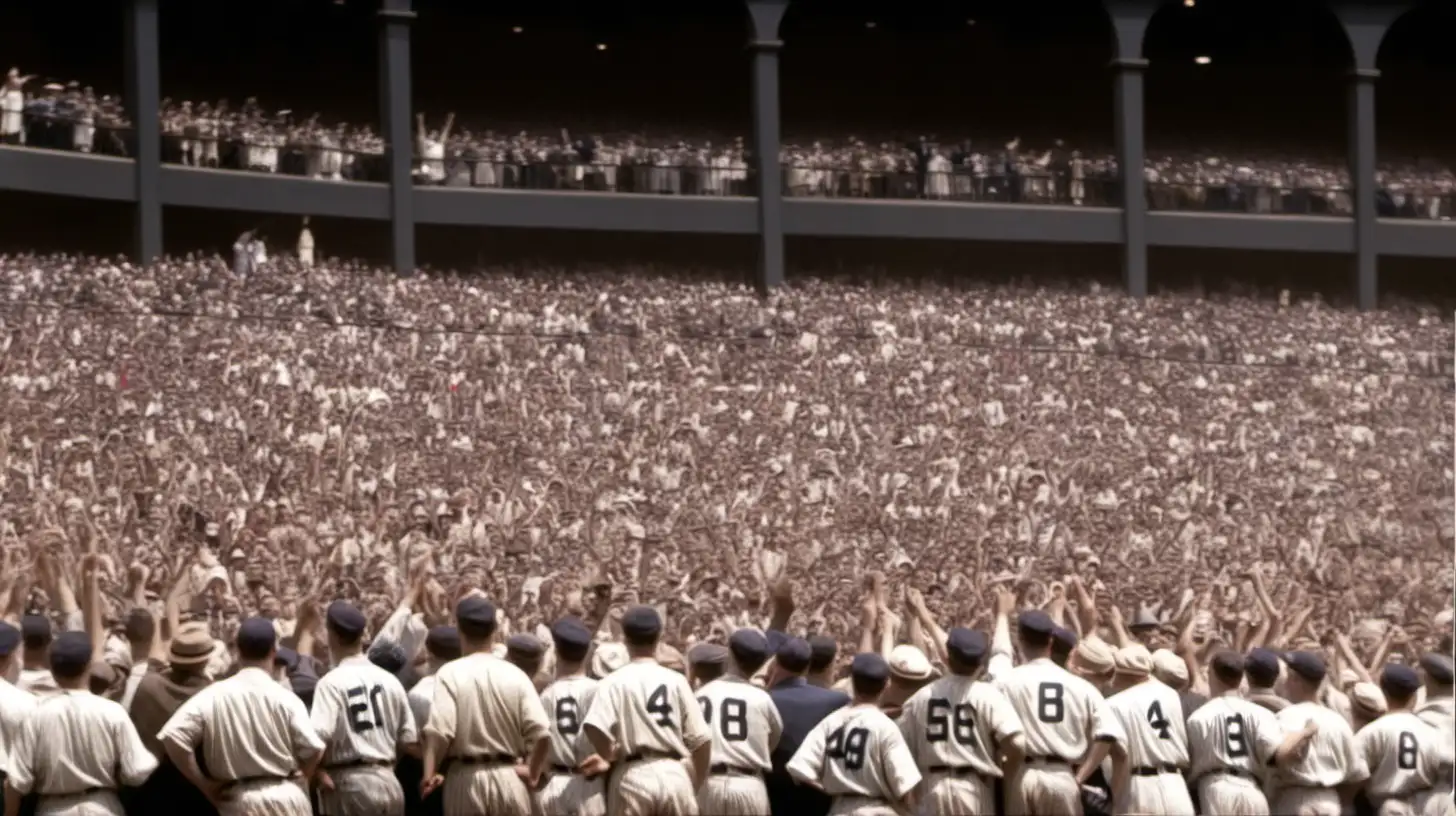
(485, 759)
(859, 797)
(72, 794)
(1236, 772)
(724, 769)
(361, 763)
(248, 780)
(959, 771)
(1047, 760)
(1155, 770)
(562, 769)
(644, 756)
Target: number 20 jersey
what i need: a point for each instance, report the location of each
(567, 702)
(1060, 712)
(362, 713)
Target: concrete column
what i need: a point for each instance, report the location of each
(1130, 22)
(396, 109)
(144, 101)
(766, 15)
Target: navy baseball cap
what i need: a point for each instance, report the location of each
(257, 634)
(35, 630)
(748, 646)
(346, 619)
(794, 655)
(822, 650)
(525, 645)
(572, 638)
(9, 639)
(1261, 666)
(641, 623)
(71, 654)
(870, 666)
(1037, 621)
(1064, 640)
(1307, 665)
(707, 654)
(966, 645)
(443, 642)
(388, 655)
(1399, 680)
(474, 610)
(1437, 668)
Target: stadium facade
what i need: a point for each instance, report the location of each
(148, 185)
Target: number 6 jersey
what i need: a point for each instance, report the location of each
(567, 702)
(362, 713)
(857, 751)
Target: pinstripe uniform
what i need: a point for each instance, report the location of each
(76, 751)
(955, 728)
(746, 726)
(362, 714)
(488, 714)
(567, 702)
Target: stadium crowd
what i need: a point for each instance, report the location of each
(249, 137)
(285, 472)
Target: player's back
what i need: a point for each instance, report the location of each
(863, 754)
(643, 704)
(1058, 710)
(1151, 714)
(744, 721)
(1405, 755)
(485, 706)
(1331, 758)
(362, 712)
(567, 701)
(957, 722)
(1231, 734)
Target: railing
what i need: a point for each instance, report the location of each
(957, 185)
(601, 178)
(53, 131)
(289, 158)
(1253, 199)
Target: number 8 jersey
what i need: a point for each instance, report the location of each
(1061, 713)
(745, 723)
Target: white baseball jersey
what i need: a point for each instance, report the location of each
(361, 712)
(15, 706)
(744, 722)
(485, 706)
(1440, 714)
(1151, 716)
(1405, 756)
(857, 751)
(567, 702)
(648, 709)
(957, 722)
(420, 697)
(1062, 714)
(1229, 733)
(1333, 758)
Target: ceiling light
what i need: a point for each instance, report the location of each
(1203, 60)
(516, 29)
(970, 22)
(870, 24)
(1189, 3)
(601, 46)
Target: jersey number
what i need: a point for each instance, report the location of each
(568, 717)
(848, 748)
(1158, 722)
(1049, 705)
(1233, 730)
(732, 720)
(942, 722)
(367, 698)
(1405, 751)
(657, 703)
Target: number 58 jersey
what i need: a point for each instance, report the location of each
(957, 722)
(362, 713)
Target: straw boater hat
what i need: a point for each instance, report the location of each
(192, 645)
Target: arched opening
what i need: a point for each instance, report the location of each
(1417, 83)
(1246, 107)
(281, 86)
(874, 91)
(64, 75)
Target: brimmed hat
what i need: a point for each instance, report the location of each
(192, 645)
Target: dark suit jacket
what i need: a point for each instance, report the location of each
(801, 706)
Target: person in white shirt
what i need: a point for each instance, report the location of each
(442, 645)
(1151, 716)
(1070, 729)
(1325, 780)
(958, 729)
(363, 716)
(857, 754)
(1406, 756)
(256, 737)
(1232, 744)
(35, 673)
(76, 750)
(746, 728)
(305, 246)
(1438, 709)
(15, 705)
(577, 785)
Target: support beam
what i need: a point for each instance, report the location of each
(144, 101)
(1130, 23)
(766, 15)
(396, 108)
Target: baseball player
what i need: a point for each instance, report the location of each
(75, 750)
(1069, 728)
(1439, 708)
(645, 719)
(485, 716)
(1261, 669)
(256, 737)
(1310, 786)
(442, 645)
(746, 728)
(957, 729)
(15, 705)
(857, 755)
(1151, 716)
(1233, 741)
(569, 791)
(363, 716)
(1406, 756)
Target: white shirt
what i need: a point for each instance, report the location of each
(745, 723)
(37, 681)
(646, 707)
(362, 712)
(247, 726)
(957, 722)
(857, 751)
(74, 740)
(1061, 713)
(1405, 756)
(1332, 759)
(1151, 716)
(1231, 733)
(15, 707)
(133, 679)
(419, 699)
(567, 702)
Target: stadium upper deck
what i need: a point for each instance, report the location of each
(1247, 111)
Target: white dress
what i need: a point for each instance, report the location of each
(12, 110)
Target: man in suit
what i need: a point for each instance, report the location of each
(801, 706)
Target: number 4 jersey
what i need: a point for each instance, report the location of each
(648, 709)
(857, 751)
(362, 713)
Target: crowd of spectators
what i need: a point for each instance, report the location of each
(327, 430)
(251, 137)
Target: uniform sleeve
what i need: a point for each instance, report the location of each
(534, 724)
(409, 730)
(775, 722)
(306, 741)
(1367, 745)
(1268, 734)
(1005, 722)
(1105, 725)
(442, 710)
(135, 763)
(21, 773)
(694, 728)
(807, 764)
(899, 764)
(184, 729)
(1357, 769)
(328, 708)
(909, 717)
(998, 666)
(603, 712)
